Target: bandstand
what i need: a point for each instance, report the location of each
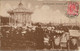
(20, 16)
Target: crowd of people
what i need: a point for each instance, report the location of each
(37, 38)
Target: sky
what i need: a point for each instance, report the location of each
(44, 13)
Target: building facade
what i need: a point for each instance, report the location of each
(2, 22)
(20, 16)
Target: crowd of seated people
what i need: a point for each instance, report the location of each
(38, 38)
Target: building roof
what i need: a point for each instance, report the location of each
(20, 9)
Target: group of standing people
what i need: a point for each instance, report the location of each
(39, 38)
(55, 40)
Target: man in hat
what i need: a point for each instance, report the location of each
(39, 35)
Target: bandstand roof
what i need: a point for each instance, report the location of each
(20, 9)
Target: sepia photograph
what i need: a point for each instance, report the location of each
(40, 25)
